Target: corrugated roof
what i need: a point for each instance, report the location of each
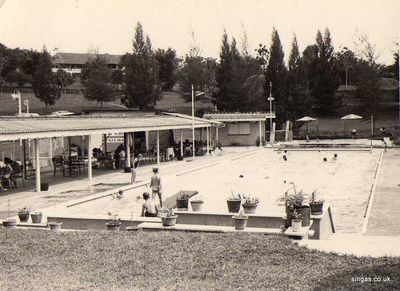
(80, 59)
(13, 128)
(237, 116)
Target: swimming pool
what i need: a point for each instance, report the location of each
(344, 183)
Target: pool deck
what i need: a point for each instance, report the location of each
(385, 211)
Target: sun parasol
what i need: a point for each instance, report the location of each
(306, 119)
(350, 117)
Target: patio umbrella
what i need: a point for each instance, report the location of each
(306, 119)
(350, 117)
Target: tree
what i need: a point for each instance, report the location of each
(117, 77)
(96, 77)
(167, 64)
(141, 73)
(298, 101)
(346, 60)
(44, 83)
(224, 75)
(275, 74)
(324, 77)
(63, 79)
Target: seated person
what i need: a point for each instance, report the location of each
(149, 208)
(15, 169)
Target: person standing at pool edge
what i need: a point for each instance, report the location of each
(134, 167)
(156, 186)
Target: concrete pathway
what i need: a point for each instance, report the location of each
(385, 211)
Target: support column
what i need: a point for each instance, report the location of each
(105, 143)
(37, 162)
(128, 150)
(146, 137)
(181, 142)
(158, 147)
(216, 133)
(260, 131)
(90, 173)
(50, 148)
(133, 142)
(208, 140)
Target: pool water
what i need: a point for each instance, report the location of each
(343, 183)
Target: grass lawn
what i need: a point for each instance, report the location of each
(70, 102)
(43, 260)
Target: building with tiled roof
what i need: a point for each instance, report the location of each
(73, 62)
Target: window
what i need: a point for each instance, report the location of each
(240, 128)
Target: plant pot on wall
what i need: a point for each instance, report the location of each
(10, 223)
(196, 205)
(240, 222)
(233, 205)
(249, 208)
(54, 226)
(182, 203)
(23, 216)
(316, 208)
(169, 220)
(36, 217)
(296, 225)
(113, 226)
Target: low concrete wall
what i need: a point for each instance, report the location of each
(323, 226)
(87, 223)
(225, 219)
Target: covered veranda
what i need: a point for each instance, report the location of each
(46, 133)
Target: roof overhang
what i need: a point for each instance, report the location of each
(14, 128)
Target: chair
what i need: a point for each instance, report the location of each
(58, 163)
(5, 177)
(19, 175)
(29, 170)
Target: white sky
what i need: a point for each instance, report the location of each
(80, 25)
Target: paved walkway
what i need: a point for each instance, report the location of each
(65, 189)
(385, 212)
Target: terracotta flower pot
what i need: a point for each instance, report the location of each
(240, 222)
(23, 216)
(169, 220)
(234, 205)
(36, 217)
(296, 225)
(196, 205)
(316, 208)
(10, 223)
(54, 226)
(250, 208)
(113, 226)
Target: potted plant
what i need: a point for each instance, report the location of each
(114, 223)
(296, 221)
(295, 201)
(240, 220)
(168, 217)
(316, 204)
(234, 203)
(258, 141)
(182, 202)
(10, 223)
(54, 225)
(36, 217)
(23, 214)
(250, 204)
(196, 203)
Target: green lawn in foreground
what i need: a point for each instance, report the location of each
(43, 260)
